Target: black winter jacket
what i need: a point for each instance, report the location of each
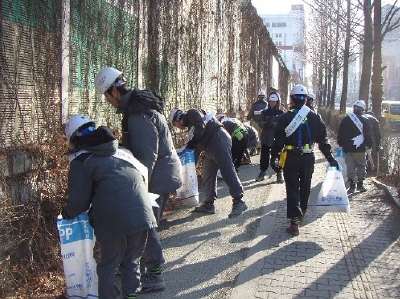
(348, 130)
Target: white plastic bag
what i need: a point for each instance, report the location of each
(189, 191)
(333, 195)
(77, 242)
(342, 163)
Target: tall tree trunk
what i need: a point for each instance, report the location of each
(377, 78)
(367, 52)
(335, 66)
(346, 58)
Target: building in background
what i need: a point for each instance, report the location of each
(288, 33)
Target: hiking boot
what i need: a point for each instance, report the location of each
(238, 207)
(261, 176)
(360, 186)
(279, 177)
(205, 207)
(293, 228)
(151, 283)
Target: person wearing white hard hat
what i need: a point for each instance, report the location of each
(355, 136)
(296, 133)
(310, 101)
(255, 111)
(110, 183)
(207, 134)
(147, 136)
(267, 123)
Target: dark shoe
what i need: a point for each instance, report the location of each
(360, 186)
(279, 177)
(293, 228)
(238, 207)
(205, 207)
(152, 283)
(261, 176)
(303, 216)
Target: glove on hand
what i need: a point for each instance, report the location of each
(333, 163)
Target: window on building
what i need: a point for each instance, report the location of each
(280, 24)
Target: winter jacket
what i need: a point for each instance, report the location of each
(267, 122)
(111, 188)
(147, 136)
(253, 136)
(376, 130)
(317, 133)
(201, 130)
(256, 108)
(348, 130)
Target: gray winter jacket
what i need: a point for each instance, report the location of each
(148, 137)
(111, 187)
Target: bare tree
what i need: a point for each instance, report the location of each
(346, 59)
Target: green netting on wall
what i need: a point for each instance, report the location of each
(35, 13)
(101, 34)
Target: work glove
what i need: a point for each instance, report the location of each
(274, 163)
(368, 151)
(333, 162)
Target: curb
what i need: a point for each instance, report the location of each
(391, 191)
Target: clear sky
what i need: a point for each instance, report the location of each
(274, 6)
(283, 6)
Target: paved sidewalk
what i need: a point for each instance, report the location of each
(354, 255)
(336, 255)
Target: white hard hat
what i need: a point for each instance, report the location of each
(273, 97)
(261, 93)
(106, 78)
(311, 96)
(299, 92)
(74, 123)
(175, 115)
(360, 104)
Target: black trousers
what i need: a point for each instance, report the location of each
(298, 171)
(238, 149)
